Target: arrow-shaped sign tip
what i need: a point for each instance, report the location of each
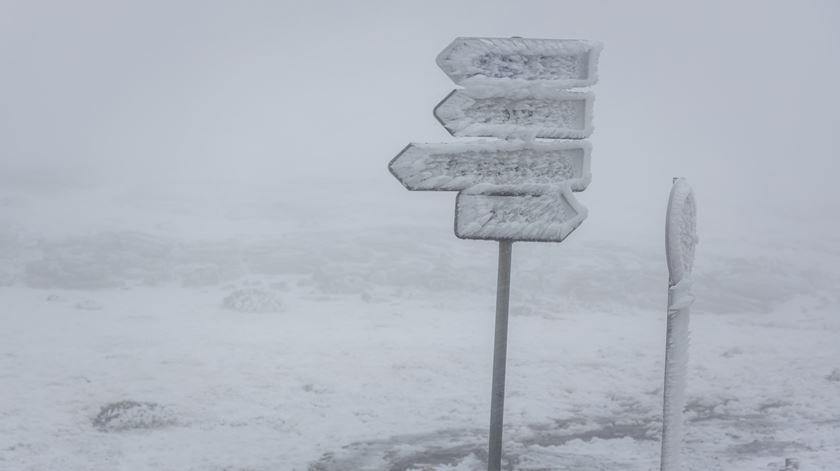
(540, 215)
(559, 63)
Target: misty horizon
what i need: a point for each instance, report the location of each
(206, 264)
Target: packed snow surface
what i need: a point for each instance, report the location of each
(381, 356)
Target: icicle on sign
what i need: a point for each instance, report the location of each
(680, 241)
(513, 187)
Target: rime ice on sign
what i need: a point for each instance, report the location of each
(516, 189)
(458, 166)
(554, 115)
(549, 62)
(537, 215)
(515, 91)
(515, 88)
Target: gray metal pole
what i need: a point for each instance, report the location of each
(673, 404)
(667, 454)
(497, 401)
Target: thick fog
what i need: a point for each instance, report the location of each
(206, 265)
(281, 100)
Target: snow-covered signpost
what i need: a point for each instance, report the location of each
(514, 187)
(680, 242)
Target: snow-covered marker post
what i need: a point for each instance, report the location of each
(680, 242)
(514, 187)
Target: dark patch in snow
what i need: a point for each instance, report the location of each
(461, 449)
(414, 452)
(439, 456)
(88, 305)
(132, 415)
(734, 351)
(604, 429)
(253, 300)
(773, 405)
(766, 447)
(703, 409)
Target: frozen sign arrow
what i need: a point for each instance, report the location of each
(544, 114)
(535, 215)
(458, 166)
(555, 63)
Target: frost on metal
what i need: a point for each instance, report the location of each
(540, 114)
(677, 342)
(458, 166)
(681, 231)
(557, 63)
(534, 214)
(681, 240)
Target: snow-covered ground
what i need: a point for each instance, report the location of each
(256, 338)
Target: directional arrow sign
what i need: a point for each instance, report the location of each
(559, 63)
(538, 215)
(559, 114)
(517, 189)
(458, 166)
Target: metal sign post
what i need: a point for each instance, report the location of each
(680, 243)
(497, 398)
(514, 187)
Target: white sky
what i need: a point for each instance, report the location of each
(740, 97)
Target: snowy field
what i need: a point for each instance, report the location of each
(257, 338)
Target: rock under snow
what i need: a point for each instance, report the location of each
(132, 415)
(253, 300)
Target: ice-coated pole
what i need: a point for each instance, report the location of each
(497, 400)
(680, 243)
(676, 359)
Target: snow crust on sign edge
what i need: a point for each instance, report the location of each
(680, 231)
(489, 145)
(533, 189)
(534, 91)
(570, 46)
